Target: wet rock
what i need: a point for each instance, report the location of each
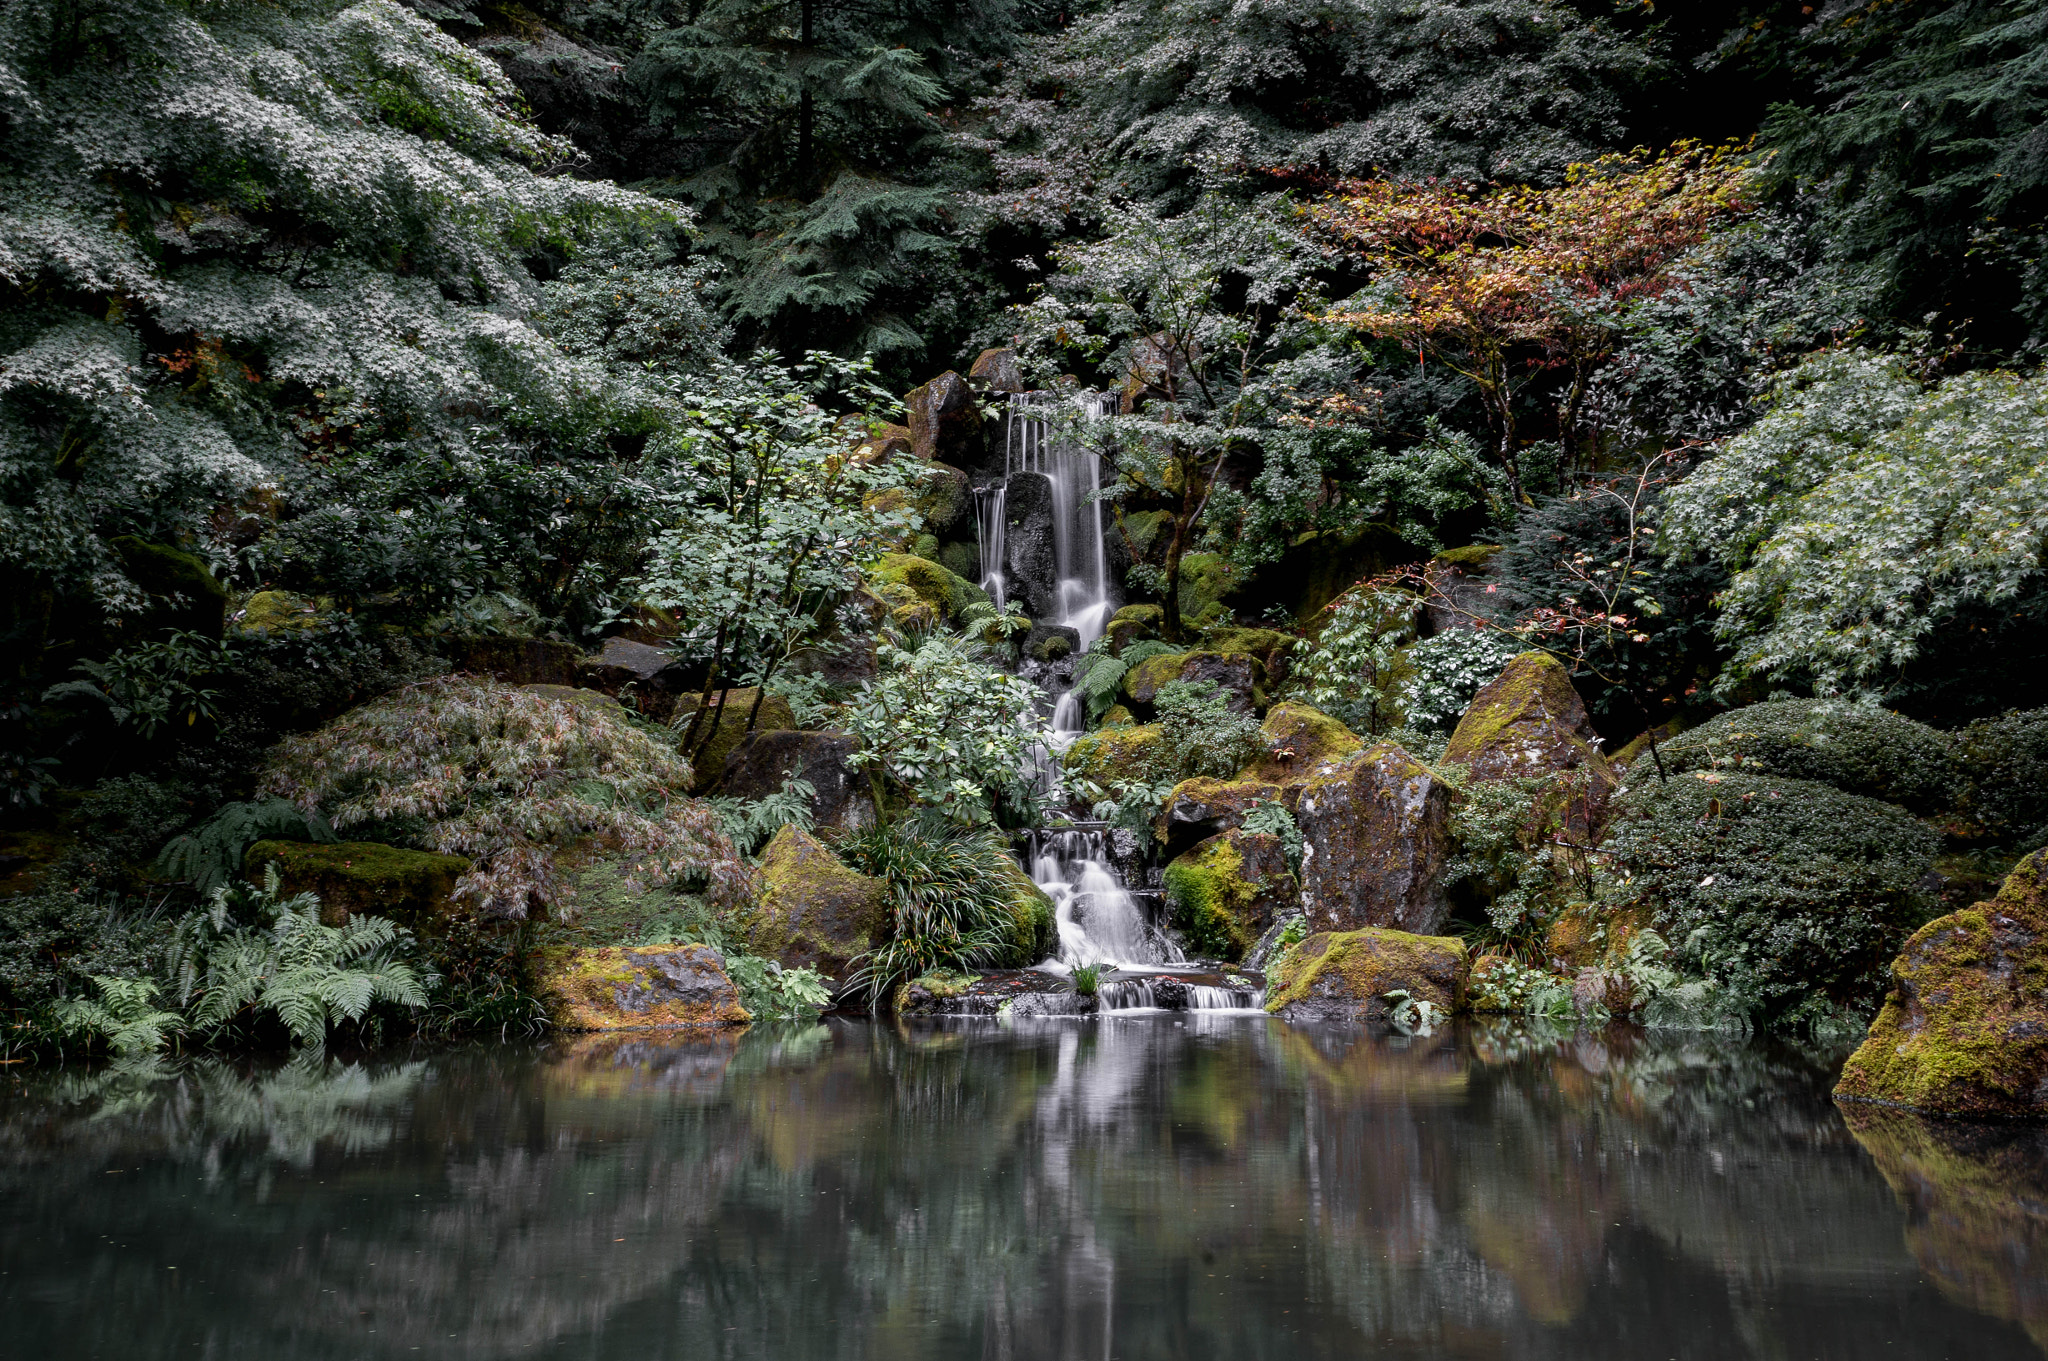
(621, 662)
(1113, 753)
(1459, 575)
(1529, 720)
(356, 878)
(723, 728)
(1030, 552)
(1051, 642)
(1345, 976)
(1200, 808)
(1964, 1030)
(947, 992)
(816, 912)
(1300, 742)
(1205, 580)
(648, 987)
(1038, 1005)
(759, 765)
(1227, 890)
(1171, 994)
(1239, 676)
(882, 445)
(1269, 946)
(904, 581)
(1375, 835)
(996, 371)
(945, 420)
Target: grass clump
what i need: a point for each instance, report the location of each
(950, 898)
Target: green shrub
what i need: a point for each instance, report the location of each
(121, 824)
(950, 898)
(1857, 748)
(53, 941)
(1200, 734)
(1790, 893)
(2004, 763)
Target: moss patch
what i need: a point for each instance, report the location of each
(1346, 975)
(1964, 1030)
(949, 595)
(1226, 891)
(1205, 580)
(277, 612)
(1527, 721)
(1109, 754)
(1033, 929)
(1303, 740)
(1474, 557)
(816, 912)
(652, 987)
(354, 878)
(707, 760)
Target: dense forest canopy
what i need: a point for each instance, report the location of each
(347, 345)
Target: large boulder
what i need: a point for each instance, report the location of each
(1200, 808)
(904, 581)
(1113, 753)
(1226, 891)
(1375, 835)
(1300, 741)
(1346, 976)
(644, 987)
(945, 419)
(1528, 720)
(759, 765)
(996, 371)
(1238, 676)
(1030, 545)
(815, 911)
(724, 728)
(183, 591)
(622, 663)
(1964, 1030)
(356, 878)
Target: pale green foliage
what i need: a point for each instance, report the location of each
(205, 210)
(1515, 988)
(953, 731)
(510, 778)
(1348, 673)
(949, 897)
(210, 855)
(1515, 852)
(124, 1016)
(771, 992)
(263, 954)
(1087, 979)
(1448, 669)
(1408, 1014)
(1100, 673)
(1864, 510)
(1271, 817)
(148, 685)
(1201, 734)
(750, 822)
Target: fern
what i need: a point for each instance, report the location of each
(307, 975)
(1100, 675)
(210, 856)
(749, 822)
(124, 1016)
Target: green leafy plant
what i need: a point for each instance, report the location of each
(1271, 816)
(1087, 979)
(257, 954)
(151, 685)
(772, 992)
(1201, 734)
(1408, 1014)
(123, 1016)
(750, 822)
(1100, 673)
(1521, 853)
(211, 854)
(1349, 673)
(950, 893)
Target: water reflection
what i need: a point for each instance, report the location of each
(1148, 1187)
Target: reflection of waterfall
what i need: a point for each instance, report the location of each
(1099, 923)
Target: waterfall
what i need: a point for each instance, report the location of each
(988, 530)
(1099, 921)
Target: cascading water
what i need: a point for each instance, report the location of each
(1099, 922)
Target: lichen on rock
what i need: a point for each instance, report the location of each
(1375, 837)
(1227, 890)
(1345, 976)
(1301, 741)
(724, 728)
(645, 987)
(1110, 754)
(1529, 720)
(1202, 807)
(355, 878)
(815, 911)
(1964, 1030)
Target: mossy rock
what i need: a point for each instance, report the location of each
(726, 731)
(1033, 929)
(356, 878)
(1206, 579)
(1133, 624)
(963, 560)
(940, 985)
(1302, 740)
(1857, 748)
(1637, 748)
(1151, 616)
(1273, 648)
(519, 661)
(1475, 558)
(1147, 532)
(1109, 754)
(1239, 676)
(187, 595)
(949, 595)
(882, 443)
(637, 987)
(816, 912)
(1346, 975)
(1200, 808)
(1376, 837)
(1529, 720)
(1965, 1028)
(277, 612)
(1119, 716)
(1227, 890)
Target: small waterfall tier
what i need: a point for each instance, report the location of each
(1099, 921)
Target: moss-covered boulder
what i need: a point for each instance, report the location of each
(1133, 623)
(1857, 748)
(1201, 808)
(712, 741)
(1205, 580)
(815, 912)
(277, 612)
(1239, 676)
(1964, 1030)
(1301, 740)
(183, 593)
(1346, 975)
(1226, 891)
(1033, 929)
(517, 661)
(1529, 720)
(354, 878)
(883, 442)
(904, 581)
(1119, 716)
(637, 987)
(1375, 835)
(1274, 649)
(1113, 753)
(945, 419)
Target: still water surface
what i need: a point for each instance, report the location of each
(1140, 1187)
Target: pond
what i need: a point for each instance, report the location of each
(1138, 1186)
